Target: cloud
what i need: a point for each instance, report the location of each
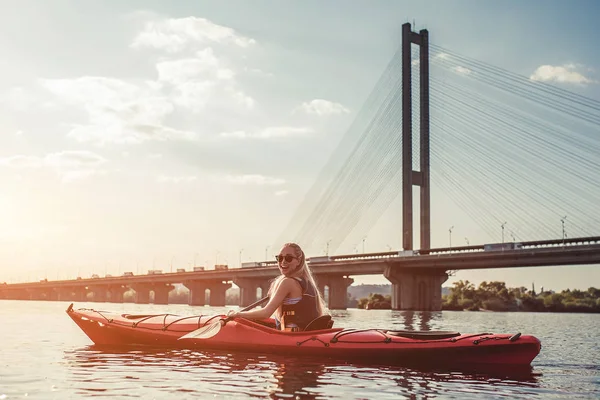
(136, 111)
(118, 111)
(74, 159)
(251, 179)
(79, 175)
(204, 65)
(176, 34)
(23, 99)
(323, 107)
(462, 70)
(281, 192)
(273, 132)
(195, 81)
(563, 74)
(70, 165)
(175, 179)
(21, 161)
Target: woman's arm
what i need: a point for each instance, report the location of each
(283, 290)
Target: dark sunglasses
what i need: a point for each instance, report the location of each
(288, 258)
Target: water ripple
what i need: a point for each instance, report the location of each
(60, 363)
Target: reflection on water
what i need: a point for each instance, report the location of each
(417, 320)
(95, 370)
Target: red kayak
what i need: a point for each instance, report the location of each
(370, 345)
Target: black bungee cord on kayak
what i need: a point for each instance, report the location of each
(434, 337)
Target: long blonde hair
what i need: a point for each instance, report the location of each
(303, 272)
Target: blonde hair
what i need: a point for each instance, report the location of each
(303, 272)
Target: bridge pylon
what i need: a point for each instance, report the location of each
(410, 177)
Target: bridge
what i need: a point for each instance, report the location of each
(493, 156)
(416, 276)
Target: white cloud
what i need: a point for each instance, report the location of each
(22, 99)
(74, 159)
(204, 65)
(21, 161)
(69, 165)
(197, 80)
(176, 34)
(175, 179)
(118, 111)
(462, 70)
(131, 112)
(155, 156)
(273, 132)
(564, 74)
(281, 192)
(253, 179)
(323, 107)
(79, 175)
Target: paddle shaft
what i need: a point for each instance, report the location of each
(256, 304)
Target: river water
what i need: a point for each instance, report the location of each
(44, 355)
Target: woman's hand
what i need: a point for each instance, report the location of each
(232, 314)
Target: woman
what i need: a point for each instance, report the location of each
(294, 297)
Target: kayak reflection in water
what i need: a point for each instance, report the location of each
(293, 296)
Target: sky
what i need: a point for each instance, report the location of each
(155, 135)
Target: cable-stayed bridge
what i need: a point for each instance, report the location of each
(510, 155)
(517, 157)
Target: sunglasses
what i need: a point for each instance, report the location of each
(287, 258)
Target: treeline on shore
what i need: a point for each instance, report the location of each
(495, 296)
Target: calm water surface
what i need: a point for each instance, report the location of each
(44, 355)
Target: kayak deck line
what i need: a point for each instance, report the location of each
(387, 346)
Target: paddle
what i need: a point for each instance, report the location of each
(210, 330)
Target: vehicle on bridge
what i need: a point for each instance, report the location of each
(319, 259)
(502, 246)
(408, 253)
(197, 269)
(95, 276)
(253, 264)
(128, 273)
(219, 267)
(180, 270)
(154, 271)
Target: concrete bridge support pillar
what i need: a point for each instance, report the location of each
(116, 293)
(248, 289)
(197, 290)
(50, 295)
(35, 294)
(64, 294)
(142, 293)
(18, 294)
(416, 289)
(161, 293)
(217, 293)
(338, 290)
(98, 293)
(80, 294)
